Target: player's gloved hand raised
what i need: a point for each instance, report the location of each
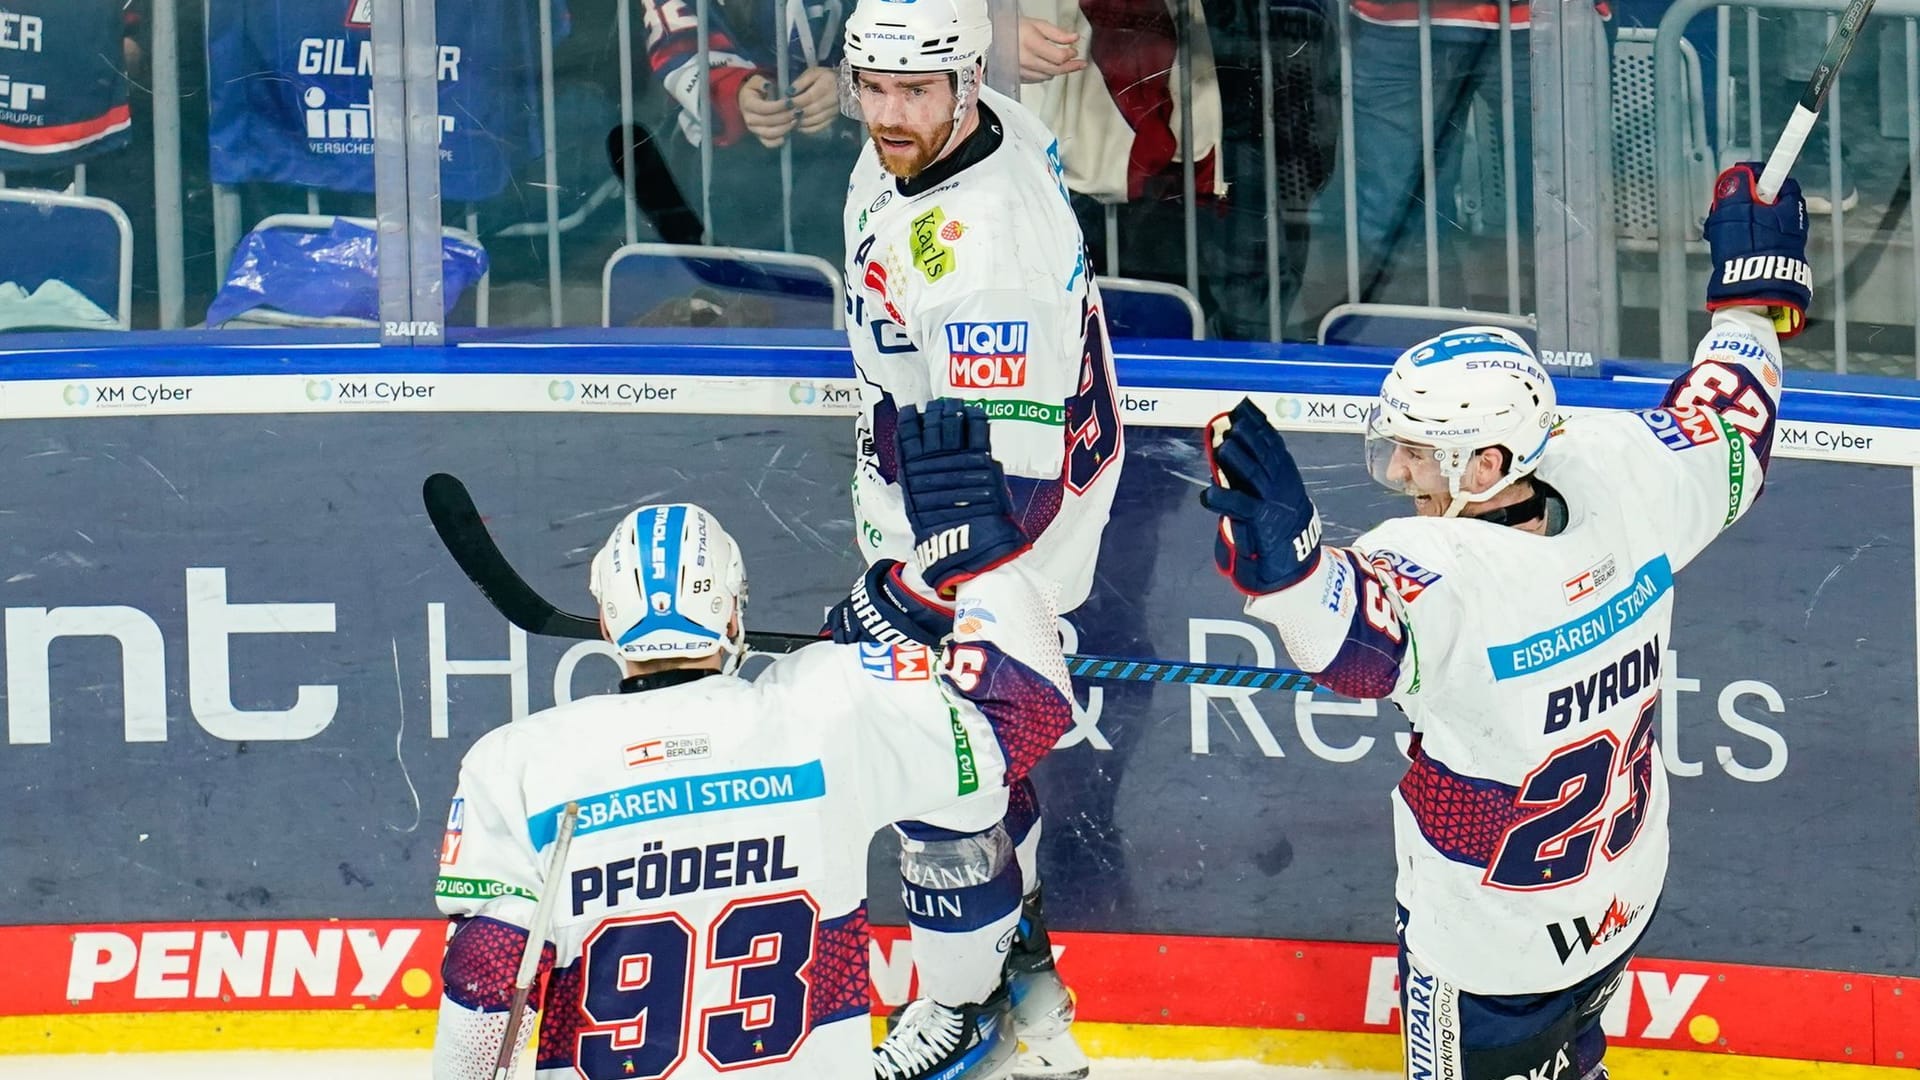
(882, 608)
(1269, 534)
(955, 492)
(1759, 249)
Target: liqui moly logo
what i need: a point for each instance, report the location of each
(984, 356)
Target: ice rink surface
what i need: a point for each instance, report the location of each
(412, 1065)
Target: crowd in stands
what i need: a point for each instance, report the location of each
(744, 143)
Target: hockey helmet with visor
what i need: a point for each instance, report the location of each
(1450, 397)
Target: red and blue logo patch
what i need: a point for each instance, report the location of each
(1681, 427)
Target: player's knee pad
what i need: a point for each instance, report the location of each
(955, 882)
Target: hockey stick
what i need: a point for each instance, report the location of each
(536, 941)
(1794, 135)
(465, 535)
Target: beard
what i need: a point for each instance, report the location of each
(921, 150)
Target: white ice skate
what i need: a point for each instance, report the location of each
(931, 1041)
(1042, 1005)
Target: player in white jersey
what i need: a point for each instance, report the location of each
(1519, 620)
(967, 276)
(711, 914)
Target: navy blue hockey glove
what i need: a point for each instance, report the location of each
(1759, 250)
(956, 493)
(881, 608)
(1269, 535)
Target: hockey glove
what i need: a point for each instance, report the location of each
(955, 492)
(1269, 535)
(881, 608)
(1759, 249)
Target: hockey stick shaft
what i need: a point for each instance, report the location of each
(458, 522)
(536, 940)
(1800, 124)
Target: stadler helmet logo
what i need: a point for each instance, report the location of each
(803, 393)
(77, 394)
(319, 389)
(560, 390)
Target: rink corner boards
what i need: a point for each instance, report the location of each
(374, 984)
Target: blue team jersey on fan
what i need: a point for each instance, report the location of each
(63, 97)
(292, 92)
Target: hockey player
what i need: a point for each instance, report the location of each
(966, 276)
(1519, 620)
(712, 908)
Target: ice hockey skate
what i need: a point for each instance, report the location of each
(1042, 1005)
(930, 1041)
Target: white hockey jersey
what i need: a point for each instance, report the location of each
(712, 908)
(971, 281)
(1530, 830)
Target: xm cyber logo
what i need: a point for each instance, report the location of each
(560, 390)
(808, 392)
(1316, 410)
(363, 392)
(81, 395)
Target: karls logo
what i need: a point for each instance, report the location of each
(81, 395)
(1586, 937)
(222, 965)
(983, 356)
(378, 392)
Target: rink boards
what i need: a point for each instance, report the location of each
(240, 674)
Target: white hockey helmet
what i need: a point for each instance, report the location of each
(670, 584)
(1453, 395)
(917, 36)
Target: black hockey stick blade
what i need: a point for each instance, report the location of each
(465, 535)
(461, 529)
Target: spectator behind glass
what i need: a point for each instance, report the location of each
(1101, 74)
(1390, 200)
(752, 119)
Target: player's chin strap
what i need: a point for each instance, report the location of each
(1545, 502)
(635, 684)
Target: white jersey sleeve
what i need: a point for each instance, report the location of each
(713, 797)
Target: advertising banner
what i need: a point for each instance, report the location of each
(239, 674)
(236, 654)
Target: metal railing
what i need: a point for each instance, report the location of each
(1680, 207)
